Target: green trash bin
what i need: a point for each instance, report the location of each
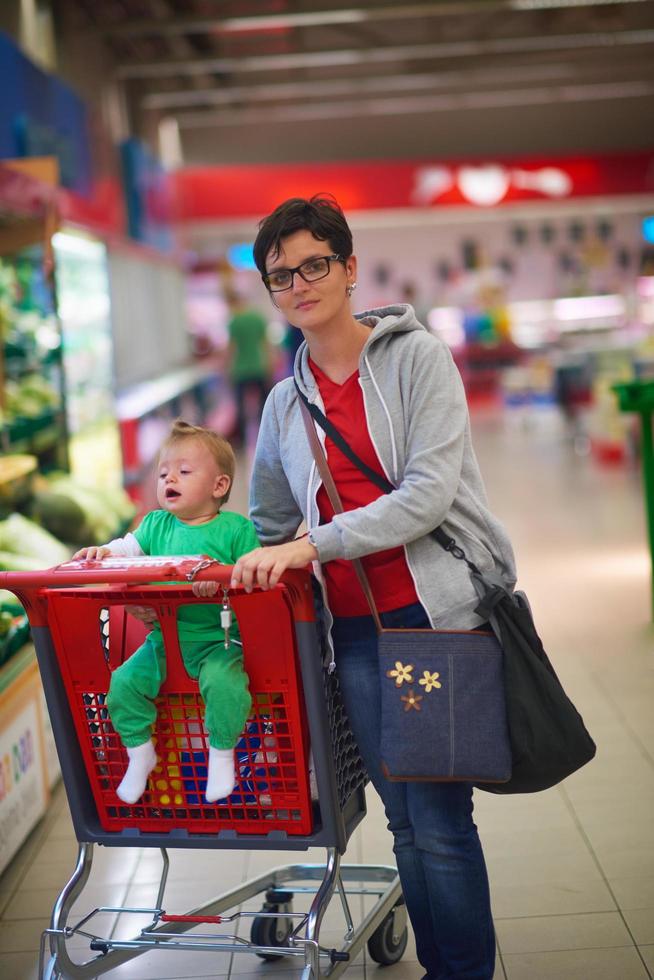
(638, 396)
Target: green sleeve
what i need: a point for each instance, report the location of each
(143, 535)
(245, 540)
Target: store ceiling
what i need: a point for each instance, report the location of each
(279, 80)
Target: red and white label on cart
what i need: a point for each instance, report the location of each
(138, 570)
(141, 561)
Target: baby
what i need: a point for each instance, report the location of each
(196, 469)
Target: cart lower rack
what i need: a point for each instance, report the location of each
(82, 631)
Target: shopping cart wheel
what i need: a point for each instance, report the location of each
(384, 947)
(271, 932)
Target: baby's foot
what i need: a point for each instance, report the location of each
(142, 760)
(221, 777)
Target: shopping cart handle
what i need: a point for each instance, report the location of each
(177, 570)
(143, 570)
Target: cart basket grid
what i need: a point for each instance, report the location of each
(93, 635)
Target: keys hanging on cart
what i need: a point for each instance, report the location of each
(226, 614)
(226, 617)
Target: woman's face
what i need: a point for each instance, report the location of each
(310, 305)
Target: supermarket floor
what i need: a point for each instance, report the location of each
(572, 869)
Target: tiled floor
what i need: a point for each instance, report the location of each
(572, 869)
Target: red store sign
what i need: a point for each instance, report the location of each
(211, 193)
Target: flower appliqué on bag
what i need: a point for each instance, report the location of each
(411, 700)
(401, 673)
(430, 681)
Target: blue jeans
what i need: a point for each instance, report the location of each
(436, 845)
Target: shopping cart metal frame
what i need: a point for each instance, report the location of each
(275, 929)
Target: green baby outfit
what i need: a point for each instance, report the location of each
(219, 671)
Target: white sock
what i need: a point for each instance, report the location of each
(142, 760)
(221, 777)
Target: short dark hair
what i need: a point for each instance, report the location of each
(321, 215)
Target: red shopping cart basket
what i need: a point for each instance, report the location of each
(93, 634)
(82, 631)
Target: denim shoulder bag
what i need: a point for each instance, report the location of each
(443, 712)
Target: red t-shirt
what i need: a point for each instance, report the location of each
(388, 573)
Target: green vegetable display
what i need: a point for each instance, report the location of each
(9, 603)
(80, 514)
(11, 562)
(22, 538)
(29, 397)
(6, 622)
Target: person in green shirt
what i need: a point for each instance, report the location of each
(196, 470)
(249, 359)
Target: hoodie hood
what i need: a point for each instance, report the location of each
(384, 322)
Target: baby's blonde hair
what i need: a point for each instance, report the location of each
(219, 448)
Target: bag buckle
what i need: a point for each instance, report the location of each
(455, 550)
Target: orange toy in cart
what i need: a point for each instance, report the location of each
(93, 635)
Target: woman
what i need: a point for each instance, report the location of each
(392, 390)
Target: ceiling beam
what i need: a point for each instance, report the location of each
(416, 104)
(378, 55)
(354, 87)
(325, 18)
(179, 45)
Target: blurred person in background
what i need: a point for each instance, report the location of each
(250, 362)
(409, 294)
(392, 390)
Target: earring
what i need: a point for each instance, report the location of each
(350, 289)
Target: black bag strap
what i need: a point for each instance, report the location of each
(330, 429)
(337, 504)
(446, 542)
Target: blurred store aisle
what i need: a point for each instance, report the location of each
(572, 870)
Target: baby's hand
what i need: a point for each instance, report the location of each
(92, 554)
(205, 589)
(144, 614)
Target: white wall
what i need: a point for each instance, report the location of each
(148, 316)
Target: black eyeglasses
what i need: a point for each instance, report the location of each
(310, 271)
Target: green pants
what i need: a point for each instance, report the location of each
(219, 672)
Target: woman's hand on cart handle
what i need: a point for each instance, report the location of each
(265, 566)
(94, 553)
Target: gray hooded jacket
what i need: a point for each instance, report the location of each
(417, 418)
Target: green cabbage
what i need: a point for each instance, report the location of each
(10, 562)
(22, 537)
